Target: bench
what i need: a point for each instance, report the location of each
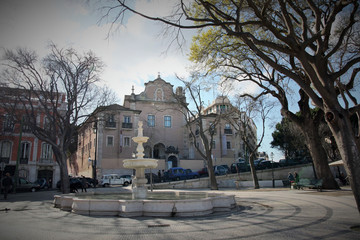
(309, 183)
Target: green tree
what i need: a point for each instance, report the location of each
(315, 39)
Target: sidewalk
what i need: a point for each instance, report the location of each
(261, 214)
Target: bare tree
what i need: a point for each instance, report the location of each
(198, 123)
(249, 109)
(61, 87)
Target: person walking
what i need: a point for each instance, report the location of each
(83, 184)
(297, 177)
(291, 178)
(7, 183)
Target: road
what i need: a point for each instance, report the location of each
(261, 214)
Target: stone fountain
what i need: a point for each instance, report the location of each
(140, 164)
(143, 203)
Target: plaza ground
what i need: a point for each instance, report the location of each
(269, 213)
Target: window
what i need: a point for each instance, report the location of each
(127, 119)
(46, 151)
(151, 121)
(5, 151)
(167, 121)
(127, 122)
(110, 141)
(25, 152)
(26, 126)
(227, 129)
(8, 123)
(47, 124)
(126, 141)
(110, 121)
(228, 145)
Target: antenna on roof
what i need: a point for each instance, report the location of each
(158, 74)
(132, 89)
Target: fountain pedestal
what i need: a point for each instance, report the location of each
(140, 164)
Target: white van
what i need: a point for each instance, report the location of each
(111, 179)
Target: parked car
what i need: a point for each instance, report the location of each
(219, 170)
(42, 183)
(203, 172)
(25, 186)
(265, 164)
(155, 178)
(92, 182)
(239, 167)
(75, 184)
(110, 179)
(175, 174)
(191, 175)
(226, 167)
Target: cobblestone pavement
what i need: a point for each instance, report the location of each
(261, 214)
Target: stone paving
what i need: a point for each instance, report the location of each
(261, 214)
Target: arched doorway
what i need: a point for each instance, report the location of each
(159, 151)
(172, 161)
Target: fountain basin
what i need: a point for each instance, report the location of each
(199, 204)
(140, 163)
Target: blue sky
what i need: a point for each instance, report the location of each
(133, 53)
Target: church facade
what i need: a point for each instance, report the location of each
(106, 138)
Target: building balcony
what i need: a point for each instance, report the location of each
(110, 124)
(46, 161)
(127, 125)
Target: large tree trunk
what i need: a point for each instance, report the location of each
(309, 126)
(342, 129)
(212, 178)
(64, 174)
(319, 157)
(253, 172)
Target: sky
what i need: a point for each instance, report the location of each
(133, 53)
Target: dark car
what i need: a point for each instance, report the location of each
(175, 174)
(42, 183)
(203, 172)
(191, 175)
(239, 167)
(75, 184)
(155, 178)
(267, 164)
(92, 182)
(226, 167)
(24, 185)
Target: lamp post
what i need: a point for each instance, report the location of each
(272, 169)
(93, 162)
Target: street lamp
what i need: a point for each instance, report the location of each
(93, 162)
(272, 169)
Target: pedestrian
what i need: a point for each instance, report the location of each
(7, 184)
(159, 175)
(83, 184)
(297, 177)
(291, 178)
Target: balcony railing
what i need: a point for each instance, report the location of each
(126, 125)
(46, 161)
(110, 124)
